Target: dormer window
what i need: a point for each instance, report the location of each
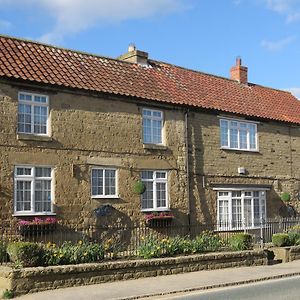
(33, 113)
(238, 135)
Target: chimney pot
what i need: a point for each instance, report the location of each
(239, 72)
(131, 47)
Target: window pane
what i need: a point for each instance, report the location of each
(223, 213)
(252, 136)
(147, 197)
(24, 171)
(42, 195)
(42, 172)
(243, 139)
(233, 138)
(247, 212)
(110, 182)
(236, 214)
(23, 196)
(161, 174)
(224, 133)
(97, 182)
(147, 174)
(24, 118)
(161, 194)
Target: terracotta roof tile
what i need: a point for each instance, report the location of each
(160, 82)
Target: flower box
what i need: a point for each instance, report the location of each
(37, 226)
(158, 219)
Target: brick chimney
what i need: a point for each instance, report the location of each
(239, 72)
(135, 56)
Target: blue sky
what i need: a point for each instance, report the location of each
(204, 35)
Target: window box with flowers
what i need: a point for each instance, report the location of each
(159, 219)
(37, 226)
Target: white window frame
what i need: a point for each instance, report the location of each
(151, 118)
(33, 104)
(239, 122)
(155, 180)
(32, 178)
(104, 169)
(255, 223)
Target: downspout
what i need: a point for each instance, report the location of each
(187, 167)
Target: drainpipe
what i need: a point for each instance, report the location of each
(187, 166)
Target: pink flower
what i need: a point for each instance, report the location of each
(23, 222)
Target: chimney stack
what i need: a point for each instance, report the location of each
(135, 56)
(239, 72)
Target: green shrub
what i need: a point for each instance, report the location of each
(294, 237)
(280, 239)
(240, 241)
(206, 242)
(3, 252)
(25, 254)
(7, 294)
(176, 245)
(69, 253)
(150, 248)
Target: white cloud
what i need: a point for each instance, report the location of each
(277, 45)
(4, 24)
(73, 16)
(288, 8)
(295, 91)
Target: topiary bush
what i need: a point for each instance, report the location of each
(285, 196)
(280, 239)
(240, 241)
(25, 254)
(139, 188)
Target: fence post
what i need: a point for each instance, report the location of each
(261, 234)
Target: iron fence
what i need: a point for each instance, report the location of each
(124, 241)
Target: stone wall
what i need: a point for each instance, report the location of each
(86, 131)
(30, 280)
(277, 163)
(294, 253)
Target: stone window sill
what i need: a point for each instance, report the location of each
(154, 147)
(32, 137)
(24, 214)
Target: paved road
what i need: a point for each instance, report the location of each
(162, 285)
(277, 289)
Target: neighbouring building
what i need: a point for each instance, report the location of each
(78, 132)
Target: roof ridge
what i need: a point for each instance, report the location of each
(127, 62)
(219, 76)
(62, 48)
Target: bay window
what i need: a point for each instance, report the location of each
(241, 209)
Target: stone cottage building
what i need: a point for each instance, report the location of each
(79, 131)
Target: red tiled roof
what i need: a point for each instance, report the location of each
(161, 82)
